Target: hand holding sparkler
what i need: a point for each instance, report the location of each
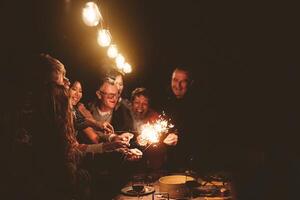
(125, 137)
(141, 140)
(151, 132)
(133, 154)
(107, 128)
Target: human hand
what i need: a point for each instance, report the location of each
(134, 154)
(171, 139)
(125, 137)
(123, 151)
(85, 112)
(107, 127)
(141, 141)
(113, 146)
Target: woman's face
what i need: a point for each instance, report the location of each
(140, 106)
(75, 93)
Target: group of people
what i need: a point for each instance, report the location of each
(75, 146)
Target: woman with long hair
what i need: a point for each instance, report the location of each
(58, 157)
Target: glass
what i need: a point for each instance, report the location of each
(138, 185)
(109, 95)
(149, 180)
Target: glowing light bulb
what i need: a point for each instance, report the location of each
(91, 14)
(104, 38)
(127, 68)
(112, 51)
(120, 61)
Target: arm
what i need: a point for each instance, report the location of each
(118, 146)
(97, 136)
(91, 135)
(107, 127)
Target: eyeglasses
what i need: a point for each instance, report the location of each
(109, 95)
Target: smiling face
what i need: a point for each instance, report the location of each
(75, 93)
(108, 95)
(140, 106)
(179, 83)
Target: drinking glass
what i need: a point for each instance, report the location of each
(138, 185)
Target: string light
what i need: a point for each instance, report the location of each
(91, 15)
(112, 51)
(127, 68)
(104, 37)
(120, 61)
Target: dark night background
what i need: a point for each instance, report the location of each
(244, 55)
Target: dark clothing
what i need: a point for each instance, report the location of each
(122, 119)
(188, 117)
(79, 120)
(80, 124)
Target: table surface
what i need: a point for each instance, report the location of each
(156, 187)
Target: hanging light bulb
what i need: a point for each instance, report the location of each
(120, 61)
(112, 51)
(127, 68)
(104, 38)
(91, 14)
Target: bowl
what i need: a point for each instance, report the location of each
(174, 185)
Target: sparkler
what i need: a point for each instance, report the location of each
(151, 132)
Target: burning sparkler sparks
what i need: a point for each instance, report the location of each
(151, 132)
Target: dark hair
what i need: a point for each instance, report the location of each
(185, 69)
(76, 81)
(140, 92)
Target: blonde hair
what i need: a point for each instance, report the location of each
(47, 65)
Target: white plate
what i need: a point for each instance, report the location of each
(128, 191)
